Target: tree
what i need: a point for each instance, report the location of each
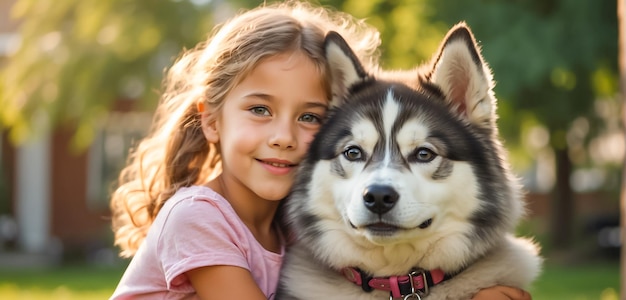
(77, 57)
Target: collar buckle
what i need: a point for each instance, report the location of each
(421, 273)
(415, 293)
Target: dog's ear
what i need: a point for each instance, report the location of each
(461, 73)
(345, 69)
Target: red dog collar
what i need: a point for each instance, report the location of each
(398, 286)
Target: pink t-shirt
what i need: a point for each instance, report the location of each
(195, 228)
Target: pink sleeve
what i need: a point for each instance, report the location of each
(196, 234)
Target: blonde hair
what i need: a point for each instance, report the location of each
(175, 153)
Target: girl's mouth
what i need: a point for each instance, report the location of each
(277, 167)
(278, 164)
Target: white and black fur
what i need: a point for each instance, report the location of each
(407, 172)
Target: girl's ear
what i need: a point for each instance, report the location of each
(209, 124)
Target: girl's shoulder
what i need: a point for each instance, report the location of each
(199, 192)
(196, 199)
(196, 206)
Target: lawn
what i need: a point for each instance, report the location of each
(72, 282)
(589, 282)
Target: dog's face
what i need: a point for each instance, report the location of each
(391, 169)
(407, 167)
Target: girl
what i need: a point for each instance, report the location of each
(196, 204)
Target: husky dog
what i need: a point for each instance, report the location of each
(406, 192)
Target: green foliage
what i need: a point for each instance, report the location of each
(552, 58)
(77, 57)
(409, 37)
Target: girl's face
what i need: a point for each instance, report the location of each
(266, 125)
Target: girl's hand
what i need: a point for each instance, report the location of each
(501, 292)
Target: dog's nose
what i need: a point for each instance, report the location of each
(380, 198)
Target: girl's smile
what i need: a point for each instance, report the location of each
(277, 166)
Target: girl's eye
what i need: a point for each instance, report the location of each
(260, 110)
(310, 118)
(423, 155)
(353, 153)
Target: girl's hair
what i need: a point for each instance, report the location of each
(176, 153)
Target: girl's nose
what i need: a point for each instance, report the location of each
(284, 136)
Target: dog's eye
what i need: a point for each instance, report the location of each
(353, 153)
(424, 155)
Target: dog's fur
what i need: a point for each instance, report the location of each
(406, 173)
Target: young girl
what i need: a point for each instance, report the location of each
(196, 204)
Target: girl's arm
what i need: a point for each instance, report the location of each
(224, 282)
(501, 292)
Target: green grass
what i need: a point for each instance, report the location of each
(599, 281)
(71, 282)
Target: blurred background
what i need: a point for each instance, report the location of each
(79, 80)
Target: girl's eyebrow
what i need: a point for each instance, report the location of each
(316, 104)
(269, 98)
(261, 96)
